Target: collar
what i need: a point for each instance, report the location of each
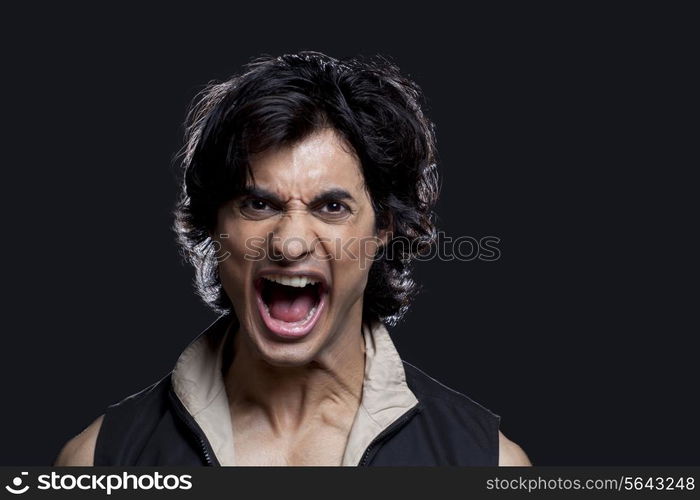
(199, 384)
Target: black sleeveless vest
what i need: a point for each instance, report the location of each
(445, 427)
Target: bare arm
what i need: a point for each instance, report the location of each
(80, 450)
(509, 453)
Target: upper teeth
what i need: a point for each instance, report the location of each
(298, 281)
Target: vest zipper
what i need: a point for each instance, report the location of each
(395, 425)
(194, 427)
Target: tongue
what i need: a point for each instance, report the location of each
(291, 304)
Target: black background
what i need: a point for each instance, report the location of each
(560, 132)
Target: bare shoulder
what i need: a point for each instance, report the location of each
(509, 453)
(80, 450)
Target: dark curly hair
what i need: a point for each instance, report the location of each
(280, 100)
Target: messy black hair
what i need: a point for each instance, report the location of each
(278, 101)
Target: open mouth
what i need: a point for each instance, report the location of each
(290, 305)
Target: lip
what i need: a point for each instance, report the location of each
(316, 275)
(282, 329)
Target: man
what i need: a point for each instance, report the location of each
(299, 175)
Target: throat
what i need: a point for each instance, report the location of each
(288, 396)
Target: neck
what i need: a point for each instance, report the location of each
(288, 396)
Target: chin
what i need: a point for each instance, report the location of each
(300, 352)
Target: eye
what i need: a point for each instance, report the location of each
(256, 208)
(334, 206)
(258, 204)
(334, 209)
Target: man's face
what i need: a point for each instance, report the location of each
(307, 215)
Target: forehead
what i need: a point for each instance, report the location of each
(320, 161)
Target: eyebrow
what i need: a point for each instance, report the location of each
(327, 195)
(332, 194)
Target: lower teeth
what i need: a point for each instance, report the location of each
(310, 314)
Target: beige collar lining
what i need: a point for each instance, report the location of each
(199, 384)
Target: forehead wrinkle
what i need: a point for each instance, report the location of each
(294, 187)
(310, 167)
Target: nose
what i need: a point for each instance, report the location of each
(292, 238)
